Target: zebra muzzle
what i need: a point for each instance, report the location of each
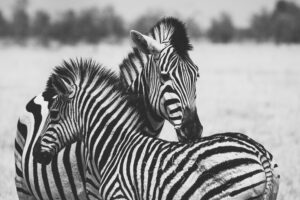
(191, 128)
(40, 155)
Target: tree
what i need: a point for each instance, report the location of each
(286, 22)
(98, 24)
(89, 25)
(193, 28)
(222, 29)
(281, 25)
(145, 22)
(66, 30)
(20, 25)
(4, 27)
(261, 26)
(112, 23)
(41, 27)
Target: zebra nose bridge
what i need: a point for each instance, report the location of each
(174, 112)
(170, 103)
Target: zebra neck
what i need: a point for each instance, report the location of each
(113, 122)
(154, 122)
(131, 67)
(132, 74)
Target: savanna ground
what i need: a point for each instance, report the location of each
(249, 88)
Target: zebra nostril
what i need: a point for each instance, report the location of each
(191, 125)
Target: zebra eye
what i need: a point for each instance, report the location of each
(54, 115)
(198, 75)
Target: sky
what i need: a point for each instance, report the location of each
(200, 10)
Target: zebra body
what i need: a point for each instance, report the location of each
(40, 182)
(218, 167)
(122, 163)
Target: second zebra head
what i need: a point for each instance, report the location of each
(168, 78)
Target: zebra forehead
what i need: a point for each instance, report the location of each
(171, 30)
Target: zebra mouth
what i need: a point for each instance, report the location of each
(191, 128)
(189, 132)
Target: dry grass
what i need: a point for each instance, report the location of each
(248, 88)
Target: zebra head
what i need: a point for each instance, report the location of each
(169, 77)
(62, 126)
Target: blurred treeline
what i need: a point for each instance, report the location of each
(281, 25)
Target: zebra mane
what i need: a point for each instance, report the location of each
(90, 73)
(171, 30)
(131, 67)
(78, 71)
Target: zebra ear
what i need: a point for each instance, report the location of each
(63, 88)
(145, 43)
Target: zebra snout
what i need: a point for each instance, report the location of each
(191, 128)
(41, 156)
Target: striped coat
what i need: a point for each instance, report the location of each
(122, 163)
(58, 181)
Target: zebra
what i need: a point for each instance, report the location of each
(175, 75)
(123, 163)
(35, 180)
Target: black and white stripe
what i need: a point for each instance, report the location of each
(38, 181)
(162, 73)
(122, 163)
(63, 179)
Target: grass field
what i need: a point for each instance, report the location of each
(250, 88)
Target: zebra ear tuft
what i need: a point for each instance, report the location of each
(63, 88)
(145, 43)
